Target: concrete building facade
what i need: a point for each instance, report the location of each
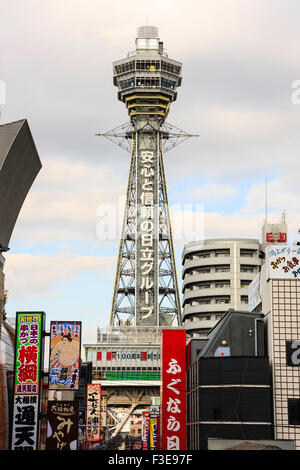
(216, 274)
(276, 292)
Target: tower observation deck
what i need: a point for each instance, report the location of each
(147, 81)
(146, 289)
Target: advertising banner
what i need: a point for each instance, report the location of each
(153, 433)
(145, 429)
(64, 361)
(93, 413)
(173, 390)
(25, 422)
(283, 262)
(62, 427)
(147, 227)
(28, 359)
(28, 352)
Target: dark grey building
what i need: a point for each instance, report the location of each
(229, 382)
(19, 166)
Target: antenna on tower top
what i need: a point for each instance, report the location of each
(283, 216)
(266, 200)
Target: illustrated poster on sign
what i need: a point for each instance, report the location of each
(64, 361)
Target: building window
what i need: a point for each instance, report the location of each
(294, 411)
(168, 84)
(222, 253)
(248, 253)
(126, 83)
(247, 269)
(222, 284)
(223, 269)
(223, 300)
(204, 301)
(245, 284)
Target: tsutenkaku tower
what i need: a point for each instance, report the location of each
(146, 288)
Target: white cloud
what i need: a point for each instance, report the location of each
(207, 192)
(30, 275)
(63, 202)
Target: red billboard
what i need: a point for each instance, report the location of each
(173, 390)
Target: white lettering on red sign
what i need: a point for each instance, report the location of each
(174, 390)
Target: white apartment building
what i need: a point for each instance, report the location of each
(216, 274)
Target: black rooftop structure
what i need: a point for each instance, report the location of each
(229, 382)
(19, 166)
(238, 333)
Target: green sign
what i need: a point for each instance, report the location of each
(147, 375)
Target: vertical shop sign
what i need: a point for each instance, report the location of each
(62, 427)
(174, 390)
(64, 361)
(28, 359)
(153, 433)
(145, 429)
(93, 413)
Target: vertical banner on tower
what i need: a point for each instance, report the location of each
(93, 413)
(62, 426)
(147, 217)
(28, 359)
(173, 390)
(64, 362)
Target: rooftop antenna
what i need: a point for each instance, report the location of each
(283, 216)
(266, 200)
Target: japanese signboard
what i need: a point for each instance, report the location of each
(93, 412)
(145, 429)
(28, 352)
(153, 355)
(274, 233)
(173, 390)
(64, 362)
(292, 353)
(153, 433)
(25, 422)
(28, 359)
(283, 262)
(62, 427)
(147, 237)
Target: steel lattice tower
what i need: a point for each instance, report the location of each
(146, 288)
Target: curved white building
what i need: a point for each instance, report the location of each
(216, 274)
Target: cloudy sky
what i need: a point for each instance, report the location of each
(240, 93)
